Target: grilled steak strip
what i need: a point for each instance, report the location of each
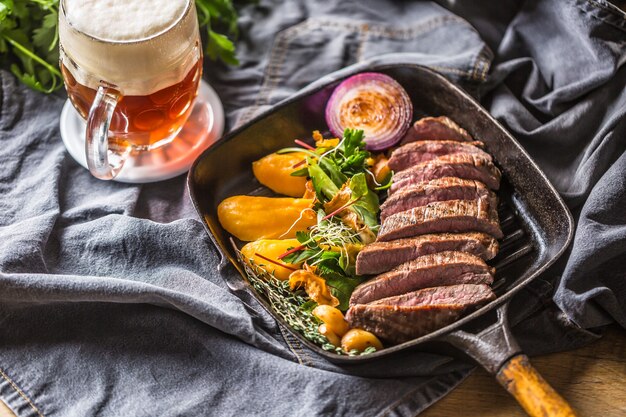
(405, 317)
(462, 165)
(455, 216)
(440, 189)
(379, 257)
(413, 153)
(437, 269)
(436, 128)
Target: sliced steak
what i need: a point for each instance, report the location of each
(408, 316)
(436, 128)
(413, 153)
(439, 189)
(454, 216)
(379, 257)
(462, 165)
(437, 269)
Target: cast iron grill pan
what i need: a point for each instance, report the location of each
(536, 223)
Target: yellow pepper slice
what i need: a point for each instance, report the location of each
(270, 249)
(251, 218)
(274, 171)
(320, 142)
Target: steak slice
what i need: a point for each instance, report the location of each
(408, 316)
(439, 189)
(437, 269)
(456, 216)
(379, 257)
(413, 153)
(461, 165)
(436, 128)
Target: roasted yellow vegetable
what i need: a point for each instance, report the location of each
(252, 218)
(360, 340)
(270, 249)
(332, 337)
(380, 169)
(320, 142)
(274, 171)
(332, 318)
(314, 285)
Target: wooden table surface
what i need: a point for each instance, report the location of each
(592, 379)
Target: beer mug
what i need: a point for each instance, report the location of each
(131, 70)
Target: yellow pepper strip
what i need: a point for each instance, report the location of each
(320, 142)
(251, 218)
(380, 169)
(274, 171)
(271, 249)
(314, 285)
(327, 143)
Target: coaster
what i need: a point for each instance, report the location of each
(204, 126)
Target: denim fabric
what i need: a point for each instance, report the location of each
(109, 300)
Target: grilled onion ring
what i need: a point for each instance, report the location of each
(373, 102)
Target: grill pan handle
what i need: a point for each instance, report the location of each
(496, 350)
(530, 390)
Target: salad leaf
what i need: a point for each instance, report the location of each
(347, 213)
(325, 188)
(358, 186)
(341, 287)
(368, 204)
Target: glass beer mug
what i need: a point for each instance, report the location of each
(131, 69)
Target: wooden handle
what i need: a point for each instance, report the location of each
(531, 391)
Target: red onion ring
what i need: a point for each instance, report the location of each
(374, 103)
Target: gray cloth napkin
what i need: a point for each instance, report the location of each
(109, 300)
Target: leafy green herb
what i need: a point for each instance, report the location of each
(351, 154)
(325, 188)
(368, 204)
(29, 38)
(222, 15)
(341, 287)
(347, 159)
(29, 42)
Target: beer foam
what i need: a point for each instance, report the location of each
(138, 46)
(123, 20)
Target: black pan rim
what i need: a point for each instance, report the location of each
(226, 258)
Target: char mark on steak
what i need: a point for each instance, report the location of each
(408, 316)
(436, 128)
(433, 270)
(439, 189)
(379, 257)
(454, 216)
(462, 165)
(413, 153)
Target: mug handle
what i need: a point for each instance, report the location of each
(99, 162)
